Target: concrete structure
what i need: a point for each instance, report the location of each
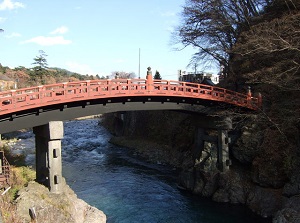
(221, 141)
(48, 155)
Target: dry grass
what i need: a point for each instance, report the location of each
(20, 176)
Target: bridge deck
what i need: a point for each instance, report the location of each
(35, 97)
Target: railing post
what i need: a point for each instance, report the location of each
(108, 84)
(249, 94)
(65, 84)
(13, 98)
(40, 93)
(149, 79)
(259, 100)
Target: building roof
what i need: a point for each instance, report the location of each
(207, 81)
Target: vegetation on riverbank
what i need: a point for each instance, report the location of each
(20, 176)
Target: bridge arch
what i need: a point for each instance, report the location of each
(34, 106)
(45, 107)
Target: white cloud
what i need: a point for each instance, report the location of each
(2, 19)
(48, 41)
(80, 68)
(10, 5)
(12, 35)
(60, 30)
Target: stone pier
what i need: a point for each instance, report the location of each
(48, 155)
(221, 141)
(223, 161)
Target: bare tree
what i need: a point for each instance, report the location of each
(122, 75)
(213, 26)
(269, 52)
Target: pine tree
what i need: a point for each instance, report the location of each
(41, 67)
(157, 76)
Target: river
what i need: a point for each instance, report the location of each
(127, 188)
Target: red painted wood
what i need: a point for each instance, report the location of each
(35, 97)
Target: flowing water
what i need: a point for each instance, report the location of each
(127, 188)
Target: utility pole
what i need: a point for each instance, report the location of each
(139, 63)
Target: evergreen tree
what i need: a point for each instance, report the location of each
(40, 61)
(40, 68)
(157, 76)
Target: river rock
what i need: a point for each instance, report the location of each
(290, 212)
(246, 148)
(265, 201)
(186, 179)
(36, 202)
(292, 188)
(211, 185)
(232, 188)
(199, 182)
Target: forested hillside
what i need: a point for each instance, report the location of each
(26, 77)
(267, 58)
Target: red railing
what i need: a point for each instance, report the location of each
(34, 97)
(4, 171)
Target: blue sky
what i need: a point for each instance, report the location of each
(93, 36)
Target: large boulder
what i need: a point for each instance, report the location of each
(292, 188)
(246, 146)
(265, 201)
(36, 202)
(233, 188)
(290, 212)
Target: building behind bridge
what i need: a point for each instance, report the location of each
(198, 77)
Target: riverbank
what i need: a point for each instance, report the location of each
(28, 201)
(36, 203)
(242, 184)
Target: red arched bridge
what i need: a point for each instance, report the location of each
(35, 106)
(45, 107)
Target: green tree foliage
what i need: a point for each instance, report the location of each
(40, 61)
(213, 26)
(157, 76)
(40, 68)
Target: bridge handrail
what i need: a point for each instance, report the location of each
(32, 97)
(5, 171)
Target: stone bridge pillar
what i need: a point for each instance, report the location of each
(223, 150)
(48, 155)
(222, 140)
